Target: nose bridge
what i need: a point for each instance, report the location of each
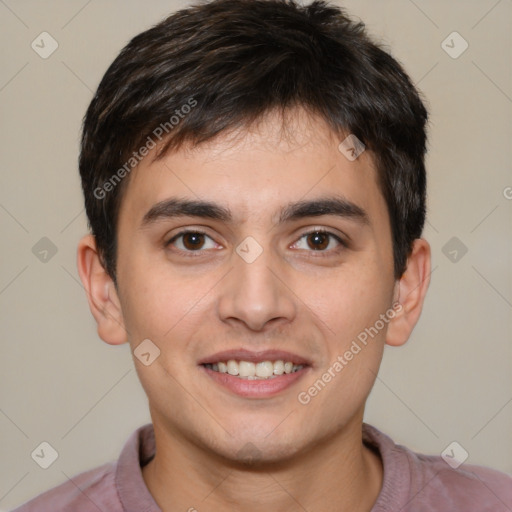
(255, 293)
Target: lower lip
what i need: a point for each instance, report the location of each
(263, 388)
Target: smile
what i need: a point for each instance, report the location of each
(249, 370)
(254, 386)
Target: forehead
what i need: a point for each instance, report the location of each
(255, 171)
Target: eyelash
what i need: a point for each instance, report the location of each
(189, 253)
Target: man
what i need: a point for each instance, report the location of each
(254, 179)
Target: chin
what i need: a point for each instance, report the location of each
(261, 455)
(258, 447)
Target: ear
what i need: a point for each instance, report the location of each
(101, 293)
(410, 292)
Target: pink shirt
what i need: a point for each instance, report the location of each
(412, 483)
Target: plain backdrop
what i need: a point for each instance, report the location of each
(61, 384)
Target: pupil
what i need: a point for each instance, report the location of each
(319, 237)
(193, 239)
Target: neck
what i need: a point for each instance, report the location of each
(340, 473)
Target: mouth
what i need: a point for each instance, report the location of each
(249, 370)
(255, 374)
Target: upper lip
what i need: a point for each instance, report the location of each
(255, 357)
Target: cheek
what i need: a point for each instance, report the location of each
(354, 352)
(163, 306)
(152, 303)
(352, 300)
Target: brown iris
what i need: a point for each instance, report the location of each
(193, 240)
(321, 240)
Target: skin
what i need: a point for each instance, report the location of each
(292, 297)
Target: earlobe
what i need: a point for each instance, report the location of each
(411, 290)
(101, 293)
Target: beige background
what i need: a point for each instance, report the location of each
(61, 384)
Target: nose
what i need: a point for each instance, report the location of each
(256, 293)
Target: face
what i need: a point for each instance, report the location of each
(288, 263)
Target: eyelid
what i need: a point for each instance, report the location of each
(325, 231)
(186, 231)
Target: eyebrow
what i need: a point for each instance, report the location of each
(176, 207)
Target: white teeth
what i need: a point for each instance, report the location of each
(279, 367)
(255, 371)
(264, 369)
(246, 369)
(232, 367)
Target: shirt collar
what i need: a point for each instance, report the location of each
(138, 450)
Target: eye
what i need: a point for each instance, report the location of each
(320, 240)
(192, 241)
